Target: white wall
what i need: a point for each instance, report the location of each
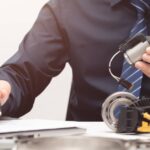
(16, 18)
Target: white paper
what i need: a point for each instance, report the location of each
(96, 129)
(19, 125)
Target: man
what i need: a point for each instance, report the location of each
(83, 33)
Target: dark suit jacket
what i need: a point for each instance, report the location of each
(83, 33)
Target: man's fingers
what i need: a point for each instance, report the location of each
(5, 90)
(146, 57)
(3, 96)
(148, 50)
(144, 67)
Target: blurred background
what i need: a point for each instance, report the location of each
(16, 18)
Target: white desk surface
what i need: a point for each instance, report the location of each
(93, 129)
(96, 129)
(99, 129)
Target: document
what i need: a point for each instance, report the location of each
(38, 127)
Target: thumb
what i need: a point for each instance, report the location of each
(3, 96)
(5, 90)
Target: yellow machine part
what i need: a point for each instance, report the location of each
(145, 127)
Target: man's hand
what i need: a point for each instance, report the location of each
(5, 89)
(144, 65)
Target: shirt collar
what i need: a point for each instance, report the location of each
(114, 2)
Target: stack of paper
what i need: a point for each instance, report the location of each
(37, 127)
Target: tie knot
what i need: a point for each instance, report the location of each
(142, 6)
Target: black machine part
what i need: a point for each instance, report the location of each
(131, 117)
(128, 121)
(113, 102)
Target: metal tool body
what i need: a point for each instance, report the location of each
(134, 114)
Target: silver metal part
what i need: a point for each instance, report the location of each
(135, 54)
(72, 143)
(115, 100)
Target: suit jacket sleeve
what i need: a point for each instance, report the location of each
(42, 55)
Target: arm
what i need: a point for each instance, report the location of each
(42, 55)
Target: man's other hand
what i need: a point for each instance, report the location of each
(5, 89)
(144, 65)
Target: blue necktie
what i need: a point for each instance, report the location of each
(130, 73)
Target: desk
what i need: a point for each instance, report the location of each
(97, 137)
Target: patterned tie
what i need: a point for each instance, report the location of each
(130, 73)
